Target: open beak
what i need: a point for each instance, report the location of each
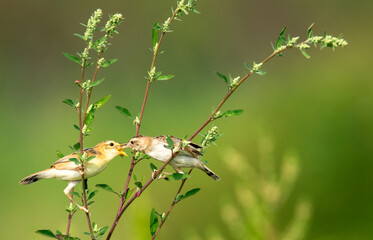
(120, 149)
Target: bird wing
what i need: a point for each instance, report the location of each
(65, 163)
(192, 149)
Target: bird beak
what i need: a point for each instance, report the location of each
(120, 150)
(124, 145)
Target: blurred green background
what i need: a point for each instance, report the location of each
(319, 109)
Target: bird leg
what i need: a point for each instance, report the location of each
(162, 175)
(67, 192)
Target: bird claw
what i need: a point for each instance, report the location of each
(83, 209)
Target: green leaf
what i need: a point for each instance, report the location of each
(76, 127)
(170, 143)
(138, 184)
(247, 66)
(59, 154)
(153, 167)
(106, 188)
(124, 111)
(178, 176)
(223, 77)
(95, 83)
(164, 77)
(232, 113)
(155, 34)
(90, 158)
(76, 146)
(128, 193)
(92, 194)
(191, 192)
(100, 102)
(108, 63)
(103, 230)
(309, 31)
(46, 233)
(154, 222)
(76, 194)
(280, 38)
(305, 53)
(75, 160)
(260, 72)
(73, 58)
(79, 36)
(69, 102)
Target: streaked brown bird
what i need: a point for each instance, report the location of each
(187, 156)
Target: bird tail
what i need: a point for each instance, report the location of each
(36, 177)
(209, 172)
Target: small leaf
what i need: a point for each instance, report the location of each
(76, 127)
(247, 66)
(106, 187)
(223, 77)
(305, 53)
(170, 143)
(76, 194)
(153, 167)
(138, 184)
(76, 146)
(155, 34)
(72, 58)
(128, 193)
(164, 77)
(178, 176)
(69, 102)
(90, 203)
(90, 158)
(108, 63)
(154, 222)
(75, 160)
(92, 194)
(46, 233)
(79, 36)
(191, 192)
(232, 113)
(309, 31)
(100, 102)
(59, 154)
(124, 111)
(280, 38)
(103, 230)
(260, 72)
(95, 83)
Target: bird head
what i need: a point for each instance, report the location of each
(111, 148)
(139, 143)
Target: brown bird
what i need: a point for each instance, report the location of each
(67, 170)
(186, 157)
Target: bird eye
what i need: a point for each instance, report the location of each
(111, 144)
(132, 142)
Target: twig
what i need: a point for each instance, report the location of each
(123, 207)
(70, 216)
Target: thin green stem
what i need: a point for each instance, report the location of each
(122, 206)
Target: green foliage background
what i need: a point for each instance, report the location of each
(321, 108)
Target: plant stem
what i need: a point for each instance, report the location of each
(70, 216)
(81, 124)
(123, 207)
(209, 119)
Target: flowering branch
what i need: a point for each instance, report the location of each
(282, 45)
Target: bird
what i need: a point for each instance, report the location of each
(64, 169)
(155, 147)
